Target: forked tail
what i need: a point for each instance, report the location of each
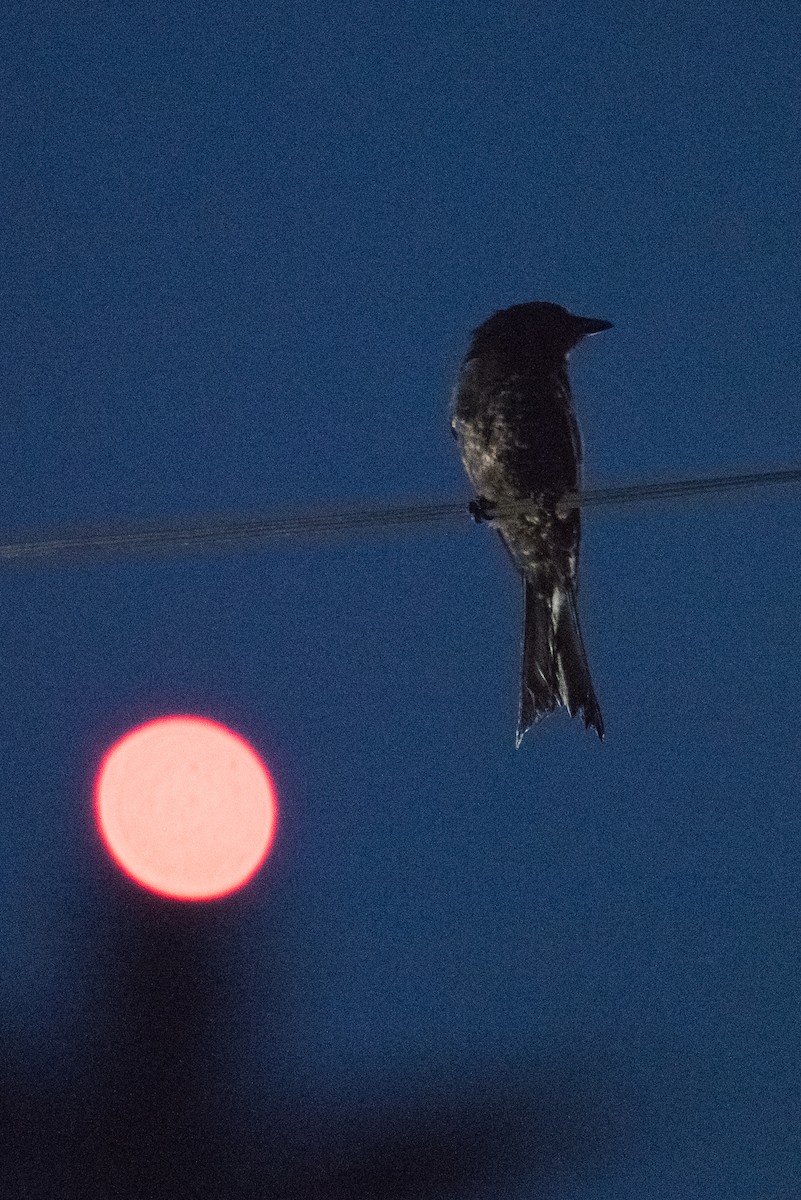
(555, 670)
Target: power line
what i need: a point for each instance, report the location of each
(108, 542)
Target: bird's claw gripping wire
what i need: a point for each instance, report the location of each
(481, 509)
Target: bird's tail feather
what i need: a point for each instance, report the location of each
(555, 670)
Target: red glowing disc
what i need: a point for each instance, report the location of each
(185, 807)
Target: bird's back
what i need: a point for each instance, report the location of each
(516, 428)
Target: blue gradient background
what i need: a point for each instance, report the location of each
(242, 250)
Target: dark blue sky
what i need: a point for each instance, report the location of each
(242, 249)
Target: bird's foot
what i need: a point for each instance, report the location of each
(481, 509)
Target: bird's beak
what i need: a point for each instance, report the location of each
(591, 325)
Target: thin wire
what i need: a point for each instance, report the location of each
(106, 542)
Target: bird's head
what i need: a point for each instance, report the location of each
(538, 327)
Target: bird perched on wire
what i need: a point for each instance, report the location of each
(513, 418)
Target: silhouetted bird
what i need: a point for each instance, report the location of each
(513, 418)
